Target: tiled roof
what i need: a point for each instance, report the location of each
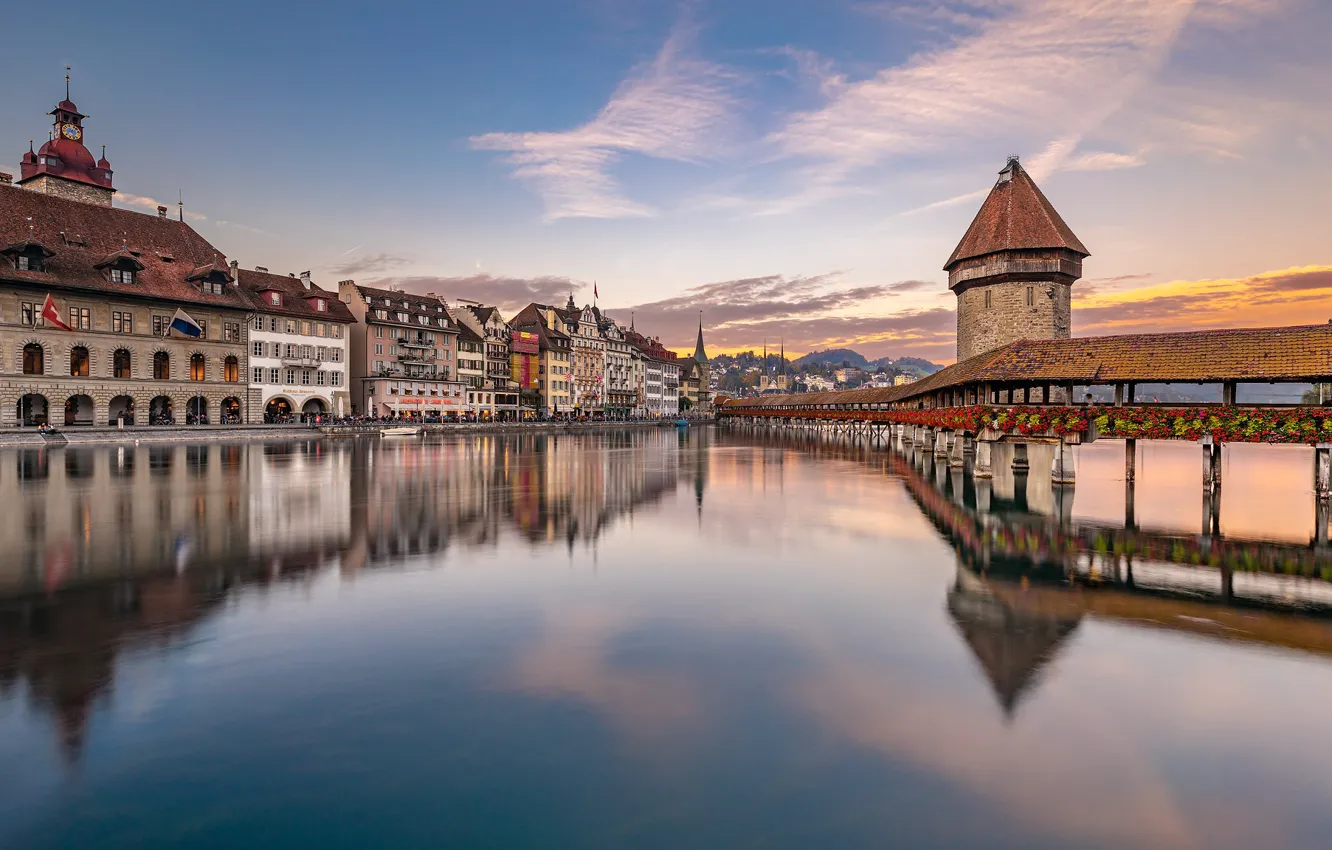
(1015, 216)
(294, 297)
(417, 305)
(1246, 355)
(83, 235)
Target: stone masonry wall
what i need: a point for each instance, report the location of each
(70, 190)
(1009, 318)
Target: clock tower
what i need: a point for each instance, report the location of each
(64, 166)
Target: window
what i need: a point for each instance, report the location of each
(335, 354)
(211, 288)
(379, 333)
(393, 349)
(1031, 293)
(336, 379)
(34, 359)
(231, 331)
(402, 317)
(160, 325)
(321, 329)
(80, 318)
(231, 369)
(319, 378)
(29, 313)
(291, 326)
(275, 376)
(203, 328)
(337, 331)
(78, 362)
(275, 298)
(379, 348)
(122, 275)
(320, 305)
(258, 374)
(307, 328)
(273, 325)
(291, 349)
(321, 353)
(291, 376)
(30, 263)
(989, 299)
(258, 323)
(379, 366)
(161, 365)
(121, 364)
(198, 367)
(382, 315)
(305, 377)
(306, 351)
(258, 349)
(122, 323)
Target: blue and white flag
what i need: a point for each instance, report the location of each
(182, 324)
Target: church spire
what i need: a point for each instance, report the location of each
(699, 353)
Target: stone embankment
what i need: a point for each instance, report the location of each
(220, 433)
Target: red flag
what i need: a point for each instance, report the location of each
(51, 315)
(594, 291)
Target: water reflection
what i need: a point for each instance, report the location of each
(669, 639)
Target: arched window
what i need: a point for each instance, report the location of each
(196, 367)
(34, 359)
(162, 366)
(231, 370)
(78, 362)
(121, 363)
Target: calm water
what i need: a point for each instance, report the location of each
(654, 640)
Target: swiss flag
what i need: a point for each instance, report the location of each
(51, 315)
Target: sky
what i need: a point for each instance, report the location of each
(796, 169)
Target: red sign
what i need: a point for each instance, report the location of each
(525, 342)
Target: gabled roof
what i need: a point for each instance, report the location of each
(82, 235)
(1016, 216)
(295, 297)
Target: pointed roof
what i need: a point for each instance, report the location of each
(699, 354)
(1016, 216)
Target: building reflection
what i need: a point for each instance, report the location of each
(108, 549)
(1028, 574)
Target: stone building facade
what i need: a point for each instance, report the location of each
(1014, 270)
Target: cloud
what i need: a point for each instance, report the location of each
(1294, 296)
(151, 204)
(367, 263)
(808, 312)
(1007, 69)
(510, 294)
(675, 107)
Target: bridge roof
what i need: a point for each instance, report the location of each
(1259, 355)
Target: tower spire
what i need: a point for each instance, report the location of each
(66, 82)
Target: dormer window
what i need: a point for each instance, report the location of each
(30, 263)
(402, 317)
(320, 305)
(275, 298)
(28, 256)
(122, 275)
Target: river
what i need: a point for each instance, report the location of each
(654, 639)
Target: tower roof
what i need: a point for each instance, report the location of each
(1016, 216)
(699, 353)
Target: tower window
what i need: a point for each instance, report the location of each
(989, 299)
(1031, 296)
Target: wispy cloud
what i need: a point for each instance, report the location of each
(675, 107)
(1009, 69)
(510, 294)
(151, 204)
(370, 263)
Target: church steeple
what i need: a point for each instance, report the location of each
(699, 353)
(64, 166)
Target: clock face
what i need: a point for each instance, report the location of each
(69, 131)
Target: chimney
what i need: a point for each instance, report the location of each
(161, 211)
(305, 279)
(235, 268)
(263, 269)
(6, 179)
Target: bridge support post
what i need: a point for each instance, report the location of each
(1130, 512)
(924, 437)
(1130, 460)
(941, 443)
(1020, 462)
(982, 467)
(1321, 511)
(957, 451)
(1211, 464)
(1063, 468)
(1323, 471)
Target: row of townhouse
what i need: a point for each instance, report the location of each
(112, 316)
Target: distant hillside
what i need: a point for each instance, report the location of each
(833, 357)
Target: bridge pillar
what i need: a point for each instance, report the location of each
(1211, 464)
(982, 467)
(1130, 512)
(1063, 467)
(957, 457)
(1020, 462)
(941, 443)
(983, 490)
(924, 437)
(1321, 511)
(1130, 459)
(1323, 471)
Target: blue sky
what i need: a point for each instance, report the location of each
(793, 168)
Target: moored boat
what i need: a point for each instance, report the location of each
(401, 431)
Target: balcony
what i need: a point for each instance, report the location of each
(301, 362)
(418, 356)
(415, 343)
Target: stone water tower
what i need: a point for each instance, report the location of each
(1013, 271)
